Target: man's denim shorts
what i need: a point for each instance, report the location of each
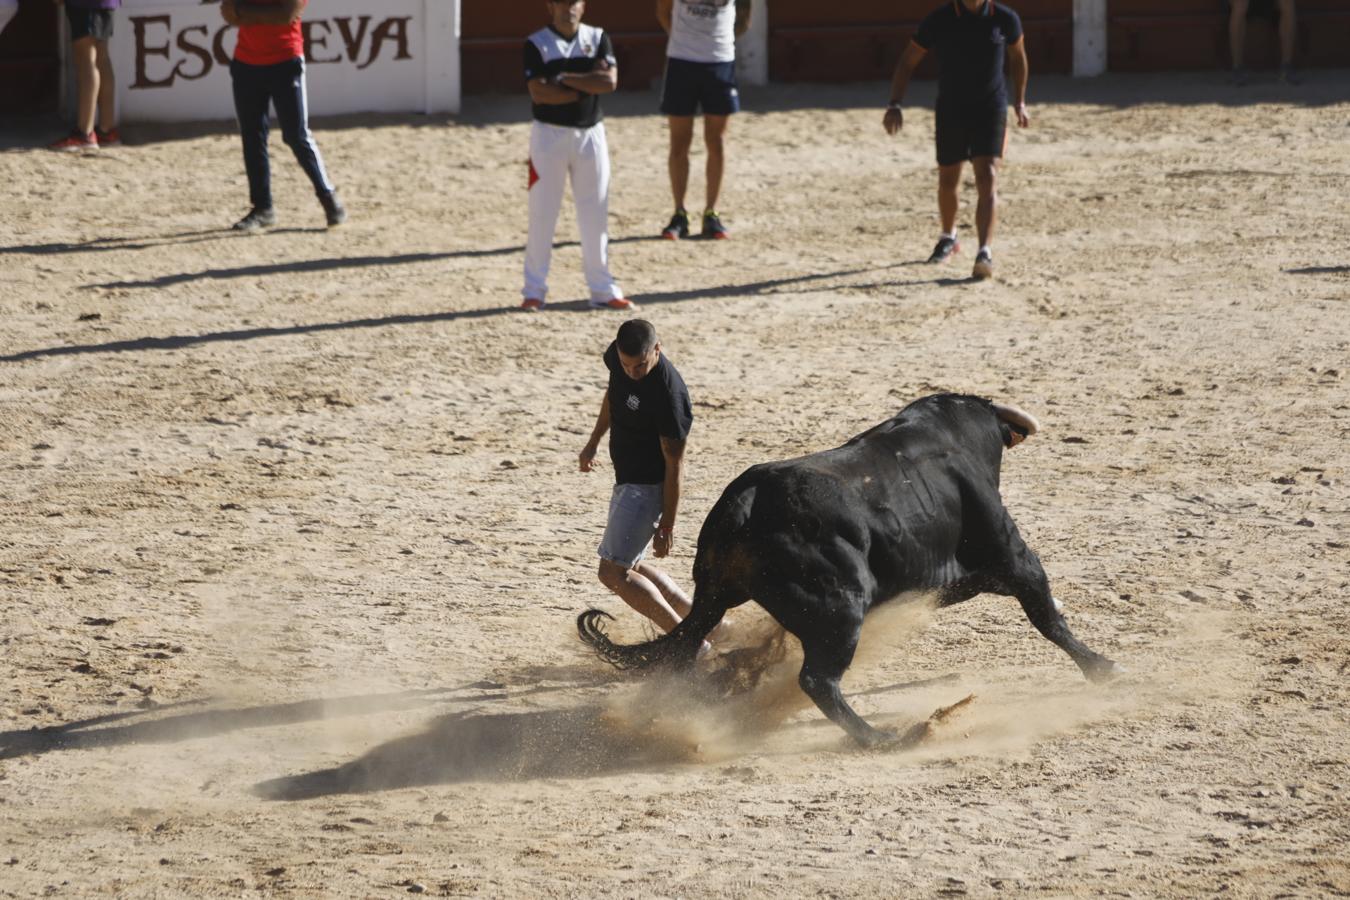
(634, 510)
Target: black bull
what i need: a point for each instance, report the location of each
(910, 505)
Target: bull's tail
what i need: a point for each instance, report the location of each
(679, 648)
(1023, 422)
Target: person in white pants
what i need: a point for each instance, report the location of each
(567, 66)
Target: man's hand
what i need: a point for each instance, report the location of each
(663, 540)
(893, 121)
(587, 458)
(1023, 120)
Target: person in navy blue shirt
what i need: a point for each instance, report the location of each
(973, 39)
(647, 412)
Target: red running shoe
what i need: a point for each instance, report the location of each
(75, 143)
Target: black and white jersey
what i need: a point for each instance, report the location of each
(547, 53)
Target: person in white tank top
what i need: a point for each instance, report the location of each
(700, 76)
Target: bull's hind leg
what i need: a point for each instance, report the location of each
(1032, 589)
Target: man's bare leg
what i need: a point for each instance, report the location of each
(638, 591)
(1237, 36)
(714, 129)
(986, 183)
(1288, 35)
(107, 89)
(84, 53)
(681, 137)
(949, 200)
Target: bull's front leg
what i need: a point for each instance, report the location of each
(1032, 589)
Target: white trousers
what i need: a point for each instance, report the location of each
(557, 152)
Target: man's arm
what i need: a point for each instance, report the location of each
(673, 451)
(603, 79)
(664, 8)
(587, 457)
(904, 71)
(1019, 69)
(248, 12)
(547, 92)
(742, 17)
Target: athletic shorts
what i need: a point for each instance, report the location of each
(690, 85)
(965, 132)
(94, 23)
(634, 510)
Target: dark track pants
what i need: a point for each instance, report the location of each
(283, 86)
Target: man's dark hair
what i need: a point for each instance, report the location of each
(636, 337)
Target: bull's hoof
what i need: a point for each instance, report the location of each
(1102, 670)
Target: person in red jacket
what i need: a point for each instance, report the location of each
(269, 68)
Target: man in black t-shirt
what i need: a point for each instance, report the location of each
(972, 39)
(567, 66)
(648, 415)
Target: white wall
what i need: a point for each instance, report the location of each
(1089, 37)
(172, 58)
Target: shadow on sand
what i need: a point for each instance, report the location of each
(567, 743)
(495, 747)
(151, 726)
(175, 342)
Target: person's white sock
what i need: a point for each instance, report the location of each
(949, 235)
(984, 248)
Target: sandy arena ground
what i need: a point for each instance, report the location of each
(292, 534)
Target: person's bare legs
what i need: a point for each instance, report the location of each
(107, 88)
(1237, 34)
(681, 137)
(714, 129)
(986, 183)
(639, 592)
(84, 54)
(949, 187)
(1288, 35)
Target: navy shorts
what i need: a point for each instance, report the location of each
(964, 132)
(94, 23)
(690, 85)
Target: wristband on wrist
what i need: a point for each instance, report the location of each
(893, 105)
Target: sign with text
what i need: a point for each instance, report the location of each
(172, 58)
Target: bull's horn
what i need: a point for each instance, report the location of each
(1014, 416)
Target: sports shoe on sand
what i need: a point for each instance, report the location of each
(532, 304)
(713, 227)
(256, 220)
(984, 266)
(945, 249)
(620, 303)
(678, 227)
(110, 138)
(333, 210)
(75, 143)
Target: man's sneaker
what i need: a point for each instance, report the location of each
(1289, 76)
(620, 303)
(333, 209)
(713, 227)
(944, 250)
(110, 138)
(984, 266)
(532, 304)
(678, 227)
(75, 143)
(257, 220)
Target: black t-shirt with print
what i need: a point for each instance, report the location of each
(640, 414)
(548, 54)
(971, 48)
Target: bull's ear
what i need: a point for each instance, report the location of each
(1011, 434)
